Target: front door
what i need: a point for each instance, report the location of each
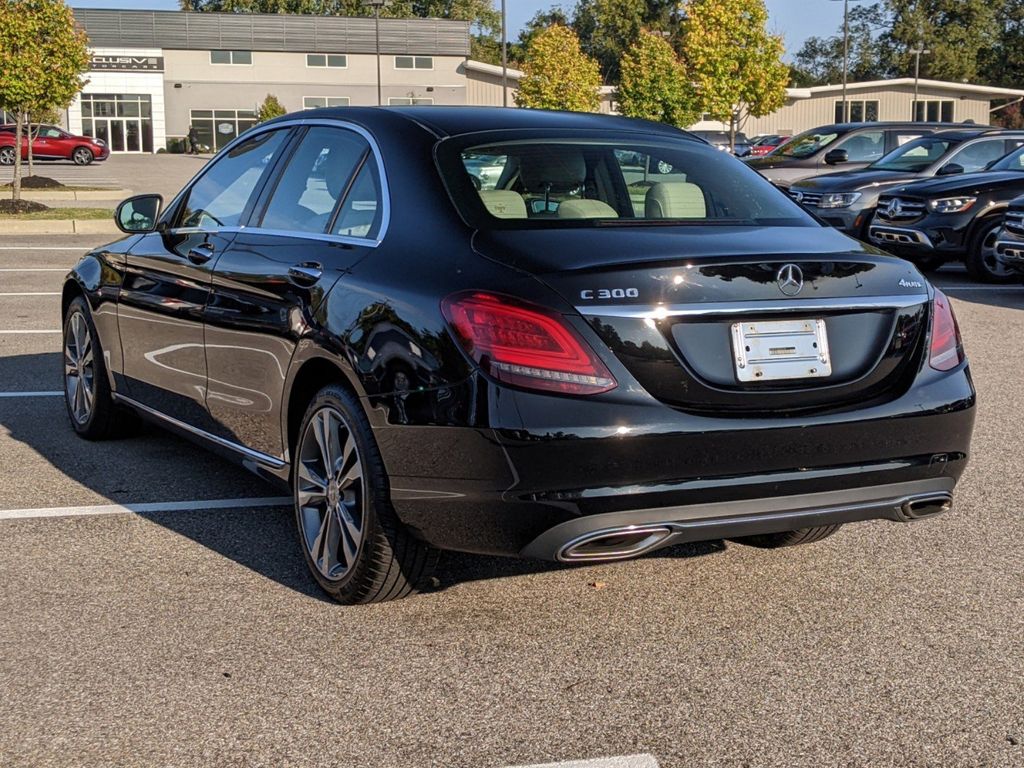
(168, 277)
(320, 218)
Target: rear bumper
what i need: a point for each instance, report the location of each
(649, 529)
(545, 471)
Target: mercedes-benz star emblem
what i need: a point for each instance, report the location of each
(894, 208)
(790, 279)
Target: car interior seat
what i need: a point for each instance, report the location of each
(675, 200)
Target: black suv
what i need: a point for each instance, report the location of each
(952, 217)
(1010, 239)
(851, 145)
(847, 200)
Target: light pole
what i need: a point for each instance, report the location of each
(504, 56)
(918, 52)
(846, 55)
(377, 5)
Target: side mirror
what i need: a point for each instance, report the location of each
(138, 214)
(950, 169)
(837, 156)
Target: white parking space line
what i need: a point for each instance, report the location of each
(33, 269)
(78, 248)
(12, 332)
(628, 761)
(32, 293)
(142, 509)
(39, 393)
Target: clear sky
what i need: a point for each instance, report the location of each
(794, 19)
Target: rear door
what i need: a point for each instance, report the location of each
(321, 215)
(168, 276)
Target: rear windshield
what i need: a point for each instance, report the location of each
(622, 182)
(915, 156)
(807, 144)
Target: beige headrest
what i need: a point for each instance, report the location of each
(586, 209)
(675, 200)
(503, 203)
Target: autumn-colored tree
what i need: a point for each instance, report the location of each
(42, 58)
(558, 75)
(270, 108)
(734, 63)
(654, 85)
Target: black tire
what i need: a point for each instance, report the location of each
(389, 563)
(980, 261)
(82, 156)
(103, 418)
(789, 538)
(6, 155)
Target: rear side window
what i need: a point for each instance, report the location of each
(318, 173)
(362, 210)
(222, 194)
(557, 182)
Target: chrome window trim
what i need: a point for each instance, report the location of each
(263, 458)
(747, 307)
(299, 121)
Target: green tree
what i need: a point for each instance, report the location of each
(735, 65)
(654, 85)
(1003, 64)
(42, 58)
(957, 32)
(270, 108)
(820, 60)
(607, 28)
(541, 21)
(558, 75)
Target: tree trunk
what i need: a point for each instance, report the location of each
(19, 132)
(732, 133)
(31, 141)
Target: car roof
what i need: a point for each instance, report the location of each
(459, 120)
(963, 134)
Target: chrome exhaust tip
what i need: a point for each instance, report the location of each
(614, 543)
(926, 506)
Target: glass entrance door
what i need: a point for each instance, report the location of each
(125, 122)
(122, 134)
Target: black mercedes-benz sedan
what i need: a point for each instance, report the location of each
(620, 339)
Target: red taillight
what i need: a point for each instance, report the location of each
(947, 350)
(525, 345)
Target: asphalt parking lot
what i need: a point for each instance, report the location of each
(144, 620)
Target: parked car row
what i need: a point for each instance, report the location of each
(52, 143)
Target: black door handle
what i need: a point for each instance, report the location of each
(200, 254)
(305, 274)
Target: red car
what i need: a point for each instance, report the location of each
(53, 143)
(766, 144)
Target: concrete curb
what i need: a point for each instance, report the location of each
(57, 227)
(42, 195)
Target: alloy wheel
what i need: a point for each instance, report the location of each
(82, 156)
(6, 156)
(329, 494)
(79, 370)
(988, 255)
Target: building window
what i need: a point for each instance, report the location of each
(861, 111)
(414, 62)
(406, 101)
(123, 121)
(316, 102)
(336, 60)
(216, 127)
(231, 57)
(934, 111)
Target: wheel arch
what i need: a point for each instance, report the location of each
(996, 211)
(307, 377)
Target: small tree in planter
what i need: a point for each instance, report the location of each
(42, 57)
(270, 108)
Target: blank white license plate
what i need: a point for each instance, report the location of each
(775, 350)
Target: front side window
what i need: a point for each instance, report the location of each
(807, 144)
(864, 147)
(219, 197)
(541, 183)
(318, 173)
(974, 157)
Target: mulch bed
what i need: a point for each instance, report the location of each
(21, 206)
(37, 182)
